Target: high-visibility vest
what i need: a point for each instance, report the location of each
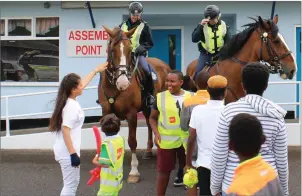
(209, 36)
(169, 128)
(112, 177)
(136, 35)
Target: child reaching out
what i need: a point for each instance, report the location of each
(111, 157)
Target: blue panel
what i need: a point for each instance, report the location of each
(298, 52)
(161, 45)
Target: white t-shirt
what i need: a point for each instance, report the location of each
(204, 119)
(179, 98)
(72, 117)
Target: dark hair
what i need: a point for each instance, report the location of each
(178, 73)
(216, 93)
(110, 124)
(202, 79)
(246, 135)
(68, 83)
(255, 78)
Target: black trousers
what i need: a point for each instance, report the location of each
(204, 181)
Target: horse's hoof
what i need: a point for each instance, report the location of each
(147, 155)
(133, 178)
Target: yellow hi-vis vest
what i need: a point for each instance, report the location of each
(112, 177)
(172, 136)
(209, 37)
(136, 35)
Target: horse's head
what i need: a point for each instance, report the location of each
(273, 48)
(119, 57)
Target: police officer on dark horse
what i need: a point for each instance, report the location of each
(211, 34)
(141, 42)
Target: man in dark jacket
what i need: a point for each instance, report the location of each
(141, 42)
(211, 35)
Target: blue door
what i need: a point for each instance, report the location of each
(167, 47)
(298, 56)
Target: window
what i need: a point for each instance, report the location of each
(2, 28)
(32, 51)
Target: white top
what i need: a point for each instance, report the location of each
(73, 117)
(180, 99)
(205, 120)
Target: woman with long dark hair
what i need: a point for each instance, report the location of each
(67, 120)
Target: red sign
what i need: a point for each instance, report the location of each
(172, 119)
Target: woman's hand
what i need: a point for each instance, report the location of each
(101, 67)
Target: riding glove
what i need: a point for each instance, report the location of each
(75, 160)
(140, 50)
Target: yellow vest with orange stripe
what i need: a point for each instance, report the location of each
(255, 177)
(169, 121)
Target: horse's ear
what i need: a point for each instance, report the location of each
(110, 33)
(275, 20)
(130, 33)
(261, 22)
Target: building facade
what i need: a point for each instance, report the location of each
(38, 50)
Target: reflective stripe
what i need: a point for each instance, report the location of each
(111, 172)
(169, 138)
(110, 148)
(164, 124)
(113, 183)
(185, 140)
(209, 43)
(136, 35)
(138, 32)
(207, 37)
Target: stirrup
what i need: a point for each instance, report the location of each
(150, 100)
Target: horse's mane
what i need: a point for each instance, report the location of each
(238, 40)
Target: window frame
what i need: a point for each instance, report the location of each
(32, 37)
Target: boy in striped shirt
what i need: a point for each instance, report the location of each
(254, 176)
(255, 77)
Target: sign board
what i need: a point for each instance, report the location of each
(87, 43)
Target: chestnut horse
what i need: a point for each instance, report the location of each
(260, 41)
(120, 90)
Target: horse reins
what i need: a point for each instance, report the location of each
(274, 67)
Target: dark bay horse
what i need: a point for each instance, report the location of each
(119, 91)
(260, 41)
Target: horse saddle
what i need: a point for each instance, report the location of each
(209, 64)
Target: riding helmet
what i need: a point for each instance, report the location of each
(211, 11)
(136, 8)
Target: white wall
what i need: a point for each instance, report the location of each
(46, 140)
(289, 15)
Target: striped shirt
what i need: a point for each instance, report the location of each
(274, 150)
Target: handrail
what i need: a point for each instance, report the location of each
(7, 117)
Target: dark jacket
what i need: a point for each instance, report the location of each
(146, 36)
(198, 35)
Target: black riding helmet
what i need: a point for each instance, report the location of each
(135, 8)
(211, 11)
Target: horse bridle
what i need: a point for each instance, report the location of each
(273, 63)
(112, 68)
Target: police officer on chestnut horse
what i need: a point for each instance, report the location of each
(211, 34)
(141, 42)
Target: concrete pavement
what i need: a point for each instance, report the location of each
(35, 173)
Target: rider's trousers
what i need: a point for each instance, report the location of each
(203, 58)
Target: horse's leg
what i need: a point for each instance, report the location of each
(148, 153)
(134, 175)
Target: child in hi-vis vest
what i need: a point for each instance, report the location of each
(111, 157)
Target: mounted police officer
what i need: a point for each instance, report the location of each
(211, 34)
(141, 42)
